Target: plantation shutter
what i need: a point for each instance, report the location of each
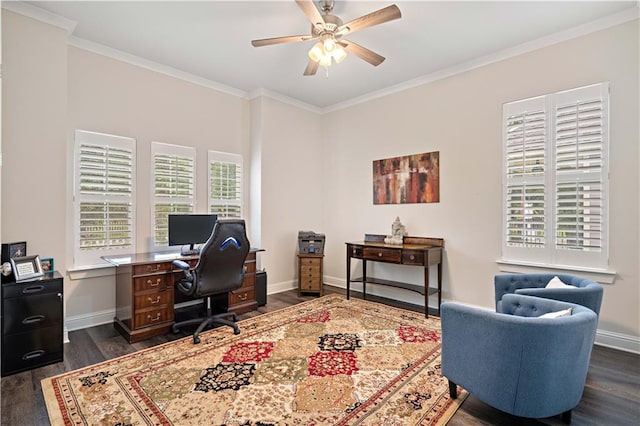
(525, 164)
(104, 185)
(580, 154)
(173, 186)
(556, 178)
(225, 184)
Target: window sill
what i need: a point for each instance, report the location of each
(90, 271)
(602, 276)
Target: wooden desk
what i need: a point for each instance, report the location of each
(415, 251)
(145, 293)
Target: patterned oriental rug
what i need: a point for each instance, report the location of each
(328, 361)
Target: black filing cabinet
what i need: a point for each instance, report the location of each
(32, 323)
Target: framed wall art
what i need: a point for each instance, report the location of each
(408, 179)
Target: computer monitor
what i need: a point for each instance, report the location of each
(190, 229)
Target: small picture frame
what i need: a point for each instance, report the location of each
(26, 267)
(11, 250)
(47, 265)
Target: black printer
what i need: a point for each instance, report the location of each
(310, 243)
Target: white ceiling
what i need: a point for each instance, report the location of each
(211, 39)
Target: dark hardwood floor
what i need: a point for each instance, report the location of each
(611, 395)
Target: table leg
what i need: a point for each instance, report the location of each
(364, 279)
(426, 291)
(348, 272)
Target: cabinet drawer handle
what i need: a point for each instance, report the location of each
(32, 320)
(157, 283)
(33, 289)
(153, 268)
(31, 355)
(354, 252)
(379, 254)
(154, 302)
(149, 317)
(243, 296)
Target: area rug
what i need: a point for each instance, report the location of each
(328, 361)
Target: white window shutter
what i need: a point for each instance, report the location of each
(103, 192)
(174, 171)
(225, 184)
(556, 178)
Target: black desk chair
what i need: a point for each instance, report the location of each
(220, 269)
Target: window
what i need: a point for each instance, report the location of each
(173, 180)
(556, 178)
(104, 182)
(225, 184)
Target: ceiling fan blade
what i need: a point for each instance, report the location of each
(279, 40)
(311, 11)
(311, 69)
(381, 16)
(362, 52)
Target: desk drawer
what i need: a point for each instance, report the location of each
(153, 317)
(242, 296)
(356, 251)
(151, 268)
(152, 282)
(413, 257)
(382, 254)
(154, 300)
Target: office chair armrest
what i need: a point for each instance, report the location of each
(181, 264)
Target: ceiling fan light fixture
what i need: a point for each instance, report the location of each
(339, 54)
(325, 61)
(316, 53)
(329, 45)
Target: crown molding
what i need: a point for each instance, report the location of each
(119, 55)
(42, 15)
(265, 93)
(575, 32)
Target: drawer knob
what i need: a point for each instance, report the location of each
(154, 319)
(379, 254)
(354, 251)
(153, 302)
(412, 257)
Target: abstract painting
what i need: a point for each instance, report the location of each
(408, 179)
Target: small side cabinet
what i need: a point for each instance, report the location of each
(310, 273)
(32, 323)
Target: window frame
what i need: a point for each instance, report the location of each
(228, 158)
(550, 254)
(87, 258)
(165, 149)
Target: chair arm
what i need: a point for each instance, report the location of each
(181, 264)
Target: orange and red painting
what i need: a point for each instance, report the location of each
(408, 179)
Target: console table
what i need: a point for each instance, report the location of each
(145, 292)
(415, 251)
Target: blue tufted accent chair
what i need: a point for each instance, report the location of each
(511, 360)
(588, 293)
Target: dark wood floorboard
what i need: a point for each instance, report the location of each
(611, 395)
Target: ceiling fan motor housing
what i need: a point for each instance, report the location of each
(331, 24)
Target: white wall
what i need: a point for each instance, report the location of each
(309, 171)
(460, 116)
(291, 184)
(34, 116)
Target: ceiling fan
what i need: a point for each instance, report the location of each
(330, 30)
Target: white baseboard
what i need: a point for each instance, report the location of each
(609, 339)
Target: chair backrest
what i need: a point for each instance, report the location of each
(220, 268)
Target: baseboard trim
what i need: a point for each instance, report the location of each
(609, 339)
(622, 342)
